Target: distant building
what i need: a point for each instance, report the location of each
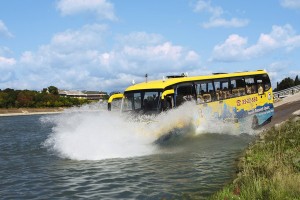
(90, 95)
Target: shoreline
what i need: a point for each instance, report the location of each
(9, 112)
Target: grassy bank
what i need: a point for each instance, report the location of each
(270, 168)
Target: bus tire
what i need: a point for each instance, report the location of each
(255, 122)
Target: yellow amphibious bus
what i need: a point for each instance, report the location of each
(225, 96)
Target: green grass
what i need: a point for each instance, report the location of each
(270, 168)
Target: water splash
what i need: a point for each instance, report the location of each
(89, 134)
(92, 133)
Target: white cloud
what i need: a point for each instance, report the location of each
(101, 8)
(292, 4)
(140, 39)
(7, 61)
(205, 6)
(80, 59)
(236, 48)
(4, 30)
(217, 16)
(88, 37)
(6, 69)
(219, 22)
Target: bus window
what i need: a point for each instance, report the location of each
(218, 92)
(151, 101)
(260, 87)
(237, 86)
(221, 89)
(250, 85)
(185, 92)
(205, 91)
(137, 101)
(132, 101)
(265, 80)
(263, 83)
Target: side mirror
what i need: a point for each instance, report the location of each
(167, 92)
(112, 98)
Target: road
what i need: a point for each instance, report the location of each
(284, 110)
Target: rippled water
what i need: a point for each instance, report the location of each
(33, 165)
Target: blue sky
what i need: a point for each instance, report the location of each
(104, 44)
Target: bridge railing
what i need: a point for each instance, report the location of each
(286, 92)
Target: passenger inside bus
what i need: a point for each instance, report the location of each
(185, 93)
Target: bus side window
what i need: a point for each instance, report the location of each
(266, 81)
(204, 91)
(225, 89)
(218, 92)
(260, 87)
(238, 86)
(185, 93)
(221, 89)
(250, 85)
(263, 83)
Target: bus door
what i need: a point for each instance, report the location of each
(185, 92)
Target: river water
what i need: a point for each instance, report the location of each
(101, 155)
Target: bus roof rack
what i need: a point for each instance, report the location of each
(175, 76)
(219, 73)
(178, 76)
(241, 72)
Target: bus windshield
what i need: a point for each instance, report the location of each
(142, 101)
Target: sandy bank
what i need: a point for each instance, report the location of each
(29, 111)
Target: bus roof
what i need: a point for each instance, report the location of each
(161, 84)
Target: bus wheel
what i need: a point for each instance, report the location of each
(254, 122)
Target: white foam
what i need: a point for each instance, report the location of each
(88, 133)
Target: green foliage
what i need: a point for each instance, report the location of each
(286, 83)
(53, 90)
(10, 98)
(270, 168)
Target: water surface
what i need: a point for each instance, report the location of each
(31, 169)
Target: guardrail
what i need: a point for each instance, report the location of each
(285, 92)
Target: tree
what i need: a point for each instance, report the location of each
(297, 81)
(25, 98)
(286, 83)
(3, 100)
(11, 97)
(53, 90)
(45, 90)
